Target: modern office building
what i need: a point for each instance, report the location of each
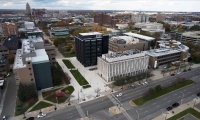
(89, 46)
(9, 29)
(141, 37)
(139, 17)
(151, 27)
(58, 31)
(32, 64)
(193, 37)
(124, 43)
(126, 63)
(168, 52)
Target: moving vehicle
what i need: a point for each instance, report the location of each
(41, 115)
(118, 95)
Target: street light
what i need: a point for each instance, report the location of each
(182, 97)
(55, 107)
(138, 114)
(24, 116)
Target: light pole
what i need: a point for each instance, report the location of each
(194, 102)
(182, 97)
(24, 116)
(138, 114)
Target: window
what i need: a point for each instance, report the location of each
(30, 74)
(29, 63)
(31, 79)
(29, 68)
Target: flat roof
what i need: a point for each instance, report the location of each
(90, 33)
(195, 34)
(161, 52)
(147, 38)
(29, 25)
(41, 56)
(118, 56)
(18, 60)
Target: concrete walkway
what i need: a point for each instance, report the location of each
(179, 109)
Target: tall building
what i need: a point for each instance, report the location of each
(127, 63)
(32, 64)
(124, 43)
(139, 17)
(9, 29)
(89, 46)
(28, 9)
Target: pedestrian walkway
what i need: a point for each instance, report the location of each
(179, 109)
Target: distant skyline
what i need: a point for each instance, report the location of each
(143, 5)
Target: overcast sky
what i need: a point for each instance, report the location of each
(149, 5)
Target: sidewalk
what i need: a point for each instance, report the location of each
(169, 114)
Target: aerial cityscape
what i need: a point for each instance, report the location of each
(99, 60)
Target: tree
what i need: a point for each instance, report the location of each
(158, 88)
(195, 28)
(152, 91)
(26, 92)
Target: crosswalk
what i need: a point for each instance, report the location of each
(80, 111)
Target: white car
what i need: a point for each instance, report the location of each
(120, 94)
(41, 115)
(146, 82)
(178, 72)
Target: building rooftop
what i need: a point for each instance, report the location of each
(12, 42)
(41, 56)
(194, 34)
(124, 40)
(90, 33)
(58, 29)
(143, 37)
(161, 52)
(29, 25)
(18, 60)
(117, 56)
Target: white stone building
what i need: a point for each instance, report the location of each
(127, 63)
(140, 17)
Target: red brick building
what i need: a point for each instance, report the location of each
(9, 29)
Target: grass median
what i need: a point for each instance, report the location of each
(144, 99)
(185, 112)
(68, 64)
(41, 105)
(79, 78)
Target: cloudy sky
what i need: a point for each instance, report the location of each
(150, 5)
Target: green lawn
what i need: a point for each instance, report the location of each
(68, 54)
(22, 107)
(185, 112)
(46, 93)
(142, 100)
(68, 64)
(52, 97)
(41, 105)
(69, 88)
(79, 78)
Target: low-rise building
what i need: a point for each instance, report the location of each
(127, 63)
(58, 31)
(141, 37)
(29, 29)
(50, 49)
(124, 43)
(9, 29)
(168, 52)
(151, 27)
(193, 37)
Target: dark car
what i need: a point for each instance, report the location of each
(172, 74)
(198, 94)
(175, 105)
(169, 108)
(30, 118)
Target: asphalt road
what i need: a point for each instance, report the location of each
(10, 98)
(98, 108)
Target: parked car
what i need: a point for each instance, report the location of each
(41, 115)
(169, 108)
(172, 74)
(118, 95)
(178, 73)
(198, 94)
(146, 82)
(175, 105)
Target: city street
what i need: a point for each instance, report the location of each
(10, 98)
(97, 108)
